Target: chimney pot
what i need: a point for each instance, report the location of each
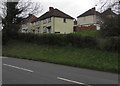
(51, 8)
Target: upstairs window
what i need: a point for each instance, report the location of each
(64, 20)
(49, 20)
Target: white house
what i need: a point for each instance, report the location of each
(89, 18)
(53, 21)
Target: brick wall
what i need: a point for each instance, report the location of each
(79, 28)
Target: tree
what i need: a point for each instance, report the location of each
(16, 11)
(29, 7)
(105, 4)
(111, 27)
(110, 10)
(9, 22)
(11, 19)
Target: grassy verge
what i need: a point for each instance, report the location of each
(89, 33)
(87, 58)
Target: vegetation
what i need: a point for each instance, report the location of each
(11, 22)
(81, 49)
(67, 55)
(111, 27)
(89, 33)
(76, 40)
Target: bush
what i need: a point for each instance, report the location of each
(107, 44)
(111, 27)
(74, 40)
(51, 39)
(89, 42)
(81, 41)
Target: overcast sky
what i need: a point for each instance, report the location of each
(72, 7)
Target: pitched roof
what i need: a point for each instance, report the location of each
(31, 18)
(108, 11)
(89, 12)
(54, 13)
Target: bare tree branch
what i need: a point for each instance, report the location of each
(29, 7)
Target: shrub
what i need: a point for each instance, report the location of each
(81, 41)
(74, 40)
(111, 27)
(109, 44)
(89, 42)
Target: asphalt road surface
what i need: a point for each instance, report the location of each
(21, 71)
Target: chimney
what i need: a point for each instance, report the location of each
(94, 9)
(51, 8)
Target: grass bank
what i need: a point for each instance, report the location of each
(67, 55)
(89, 33)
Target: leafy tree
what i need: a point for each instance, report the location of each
(110, 21)
(16, 11)
(111, 26)
(10, 22)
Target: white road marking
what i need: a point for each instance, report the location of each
(3, 57)
(76, 82)
(18, 68)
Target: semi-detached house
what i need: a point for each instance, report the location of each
(88, 20)
(53, 21)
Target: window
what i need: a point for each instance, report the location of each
(49, 20)
(44, 29)
(33, 31)
(34, 23)
(64, 20)
(49, 29)
(57, 32)
(38, 29)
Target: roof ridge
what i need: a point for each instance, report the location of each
(55, 13)
(88, 12)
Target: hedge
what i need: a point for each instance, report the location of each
(107, 44)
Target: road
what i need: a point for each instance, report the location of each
(21, 71)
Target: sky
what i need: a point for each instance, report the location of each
(73, 8)
(70, 7)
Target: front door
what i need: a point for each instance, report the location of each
(49, 29)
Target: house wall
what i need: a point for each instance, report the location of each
(57, 26)
(36, 26)
(26, 28)
(87, 20)
(47, 24)
(62, 27)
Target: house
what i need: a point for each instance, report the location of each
(108, 14)
(56, 21)
(53, 21)
(26, 26)
(88, 20)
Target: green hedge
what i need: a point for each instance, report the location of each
(107, 44)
